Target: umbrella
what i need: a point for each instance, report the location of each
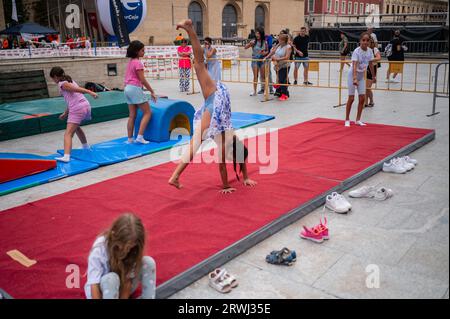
(29, 27)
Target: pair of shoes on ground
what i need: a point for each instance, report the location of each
(360, 123)
(222, 281)
(284, 257)
(399, 165)
(318, 233)
(380, 193)
(337, 203)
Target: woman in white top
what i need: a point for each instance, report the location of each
(361, 59)
(370, 77)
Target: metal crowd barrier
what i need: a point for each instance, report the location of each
(414, 76)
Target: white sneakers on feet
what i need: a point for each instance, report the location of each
(337, 203)
(141, 140)
(360, 123)
(64, 159)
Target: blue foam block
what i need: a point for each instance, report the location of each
(62, 170)
(164, 111)
(117, 150)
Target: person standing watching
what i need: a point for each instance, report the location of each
(300, 47)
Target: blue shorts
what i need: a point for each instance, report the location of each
(134, 95)
(304, 62)
(257, 64)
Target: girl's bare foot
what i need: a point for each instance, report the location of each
(185, 24)
(175, 182)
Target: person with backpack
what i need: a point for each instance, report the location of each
(395, 51)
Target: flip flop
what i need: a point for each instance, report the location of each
(218, 282)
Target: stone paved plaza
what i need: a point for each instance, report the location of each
(406, 237)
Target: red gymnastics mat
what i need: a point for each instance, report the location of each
(189, 227)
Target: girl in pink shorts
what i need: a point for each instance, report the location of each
(78, 109)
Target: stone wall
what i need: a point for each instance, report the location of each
(82, 70)
(162, 17)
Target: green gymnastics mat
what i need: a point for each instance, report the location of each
(109, 106)
(14, 125)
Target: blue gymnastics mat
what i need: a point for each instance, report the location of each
(62, 170)
(117, 150)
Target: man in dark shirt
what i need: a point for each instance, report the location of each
(300, 47)
(398, 54)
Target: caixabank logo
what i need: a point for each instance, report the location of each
(134, 13)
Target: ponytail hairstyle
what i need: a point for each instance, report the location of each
(238, 148)
(59, 73)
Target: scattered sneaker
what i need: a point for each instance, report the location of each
(253, 94)
(312, 234)
(323, 229)
(295, 82)
(363, 192)
(408, 166)
(383, 193)
(410, 160)
(337, 203)
(261, 92)
(360, 123)
(141, 140)
(307, 83)
(347, 124)
(394, 166)
(283, 97)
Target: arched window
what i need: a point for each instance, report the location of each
(229, 22)
(195, 13)
(260, 17)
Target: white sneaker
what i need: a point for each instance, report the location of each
(410, 160)
(337, 203)
(64, 159)
(394, 80)
(363, 192)
(383, 193)
(360, 123)
(347, 124)
(408, 166)
(141, 141)
(394, 166)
